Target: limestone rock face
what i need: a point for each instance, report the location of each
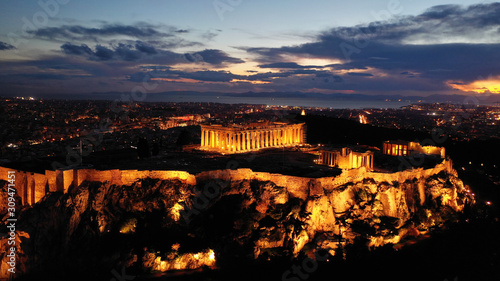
(4, 199)
(157, 224)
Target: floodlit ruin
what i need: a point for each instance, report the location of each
(262, 214)
(406, 148)
(346, 158)
(251, 137)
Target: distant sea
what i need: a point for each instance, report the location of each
(303, 102)
(334, 101)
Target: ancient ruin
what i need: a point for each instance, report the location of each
(346, 158)
(405, 148)
(251, 137)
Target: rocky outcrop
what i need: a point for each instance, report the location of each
(156, 224)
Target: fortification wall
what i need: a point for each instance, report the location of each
(30, 186)
(33, 186)
(302, 187)
(294, 184)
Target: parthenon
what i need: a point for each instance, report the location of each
(251, 137)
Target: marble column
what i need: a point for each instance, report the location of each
(258, 137)
(238, 142)
(206, 137)
(202, 137)
(242, 141)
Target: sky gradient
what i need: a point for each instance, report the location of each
(73, 47)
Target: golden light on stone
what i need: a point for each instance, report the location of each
(184, 261)
(175, 211)
(346, 159)
(251, 137)
(405, 148)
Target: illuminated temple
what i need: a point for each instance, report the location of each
(251, 137)
(346, 158)
(406, 148)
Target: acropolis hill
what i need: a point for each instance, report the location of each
(347, 197)
(32, 187)
(394, 206)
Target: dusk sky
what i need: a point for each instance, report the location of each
(405, 47)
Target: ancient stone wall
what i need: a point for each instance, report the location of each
(33, 186)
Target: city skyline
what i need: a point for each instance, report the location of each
(73, 48)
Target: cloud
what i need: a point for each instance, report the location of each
(436, 51)
(71, 49)
(169, 73)
(143, 47)
(287, 65)
(359, 74)
(103, 53)
(78, 32)
(444, 43)
(226, 76)
(211, 56)
(121, 51)
(142, 52)
(210, 35)
(6, 46)
(159, 36)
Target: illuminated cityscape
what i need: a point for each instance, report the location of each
(249, 140)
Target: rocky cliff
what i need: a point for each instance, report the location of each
(219, 217)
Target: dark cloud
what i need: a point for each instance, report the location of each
(158, 36)
(140, 51)
(211, 56)
(135, 51)
(28, 78)
(207, 75)
(454, 17)
(445, 43)
(428, 44)
(143, 47)
(359, 74)
(6, 46)
(103, 53)
(127, 52)
(226, 76)
(71, 49)
(78, 32)
(441, 12)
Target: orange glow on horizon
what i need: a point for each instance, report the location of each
(250, 81)
(479, 86)
(183, 80)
